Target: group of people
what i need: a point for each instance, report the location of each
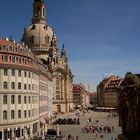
(69, 121)
(70, 137)
(97, 129)
(112, 115)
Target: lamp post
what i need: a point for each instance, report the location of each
(16, 133)
(57, 129)
(43, 137)
(8, 134)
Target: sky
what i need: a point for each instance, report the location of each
(102, 37)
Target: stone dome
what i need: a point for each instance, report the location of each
(38, 35)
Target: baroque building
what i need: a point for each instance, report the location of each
(35, 80)
(42, 41)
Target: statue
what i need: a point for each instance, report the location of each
(129, 107)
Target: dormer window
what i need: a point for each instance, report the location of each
(47, 40)
(4, 48)
(32, 39)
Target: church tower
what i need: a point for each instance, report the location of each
(39, 12)
(39, 36)
(42, 41)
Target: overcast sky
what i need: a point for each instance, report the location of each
(102, 37)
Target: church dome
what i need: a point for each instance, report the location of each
(38, 35)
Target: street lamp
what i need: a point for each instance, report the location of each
(57, 129)
(16, 133)
(8, 134)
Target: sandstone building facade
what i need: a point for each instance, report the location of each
(35, 80)
(42, 41)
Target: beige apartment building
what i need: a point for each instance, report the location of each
(81, 98)
(107, 91)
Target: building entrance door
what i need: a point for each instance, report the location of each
(58, 108)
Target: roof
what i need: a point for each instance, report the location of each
(6, 42)
(93, 94)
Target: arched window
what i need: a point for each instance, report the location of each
(47, 39)
(19, 85)
(58, 87)
(19, 99)
(5, 85)
(5, 99)
(12, 99)
(25, 99)
(19, 114)
(12, 114)
(32, 39)
(25, 113)
(4, 115)
(13, 85)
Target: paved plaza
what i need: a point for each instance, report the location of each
(76, 130)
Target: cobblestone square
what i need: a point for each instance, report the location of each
(76, 130)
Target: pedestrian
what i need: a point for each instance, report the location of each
(77, 138)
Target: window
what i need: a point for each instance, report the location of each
(12, 114)
(29, 74)
(4, 115)
(25, 74)
(29, 87)
(25, 86)
(16, 49)
(25, 113)
(19, 99)
(19, 60)
(13, 59)
(25, 61)
(47, 40)
(25, 100)
(57, 89)
(5, 85)
(13, 85)
(29, 99)
(29, 113)
(5, 58)
(19, 85)
(12, 99)
(19, 114)
(4, 48)
(32, 39)
(13, 72)
(10, 48)
(19, 73)
(5, 99)
(5, 72)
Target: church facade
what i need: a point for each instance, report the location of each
(36, 79)
(42, 41)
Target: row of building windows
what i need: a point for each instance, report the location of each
(12, 49)
(5, 86)
(26, 99)
(14, 59)
(5, 114)
(32, 40)
(20, 72)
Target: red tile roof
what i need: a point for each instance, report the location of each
(5, 42)
(93, 94)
